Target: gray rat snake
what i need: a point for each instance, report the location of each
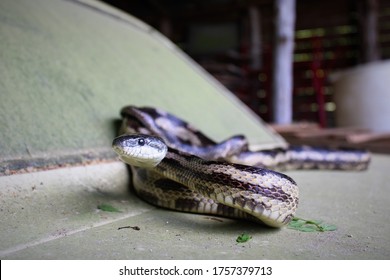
(176, 166)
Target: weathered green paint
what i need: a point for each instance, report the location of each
(67, 67)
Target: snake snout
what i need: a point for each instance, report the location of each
(140, 150)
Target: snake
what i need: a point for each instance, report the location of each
(176, 166)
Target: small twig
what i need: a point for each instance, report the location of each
(135, 227)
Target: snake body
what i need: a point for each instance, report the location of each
(192, 173)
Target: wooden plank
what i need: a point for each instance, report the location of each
(283, 59)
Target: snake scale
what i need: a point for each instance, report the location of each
(176, 166)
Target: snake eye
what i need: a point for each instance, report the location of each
(141, 141)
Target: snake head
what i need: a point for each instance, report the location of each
(140, 150)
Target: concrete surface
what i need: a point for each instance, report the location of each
(59, 219)
(67, 67)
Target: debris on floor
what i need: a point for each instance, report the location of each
(352, 137)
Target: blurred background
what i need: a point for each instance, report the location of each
(234, 40)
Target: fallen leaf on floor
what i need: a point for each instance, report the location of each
(243, 238)
(107, 208)
(310, 225)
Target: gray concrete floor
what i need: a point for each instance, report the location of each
(59, 219)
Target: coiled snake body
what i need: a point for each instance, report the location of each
(177, 167)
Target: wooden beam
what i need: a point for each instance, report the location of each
(370, 30)
(255, 38)
(283, 61)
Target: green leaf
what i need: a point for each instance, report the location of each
(243, 238)
(329, 227)
(107, 208)
(310, 225)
